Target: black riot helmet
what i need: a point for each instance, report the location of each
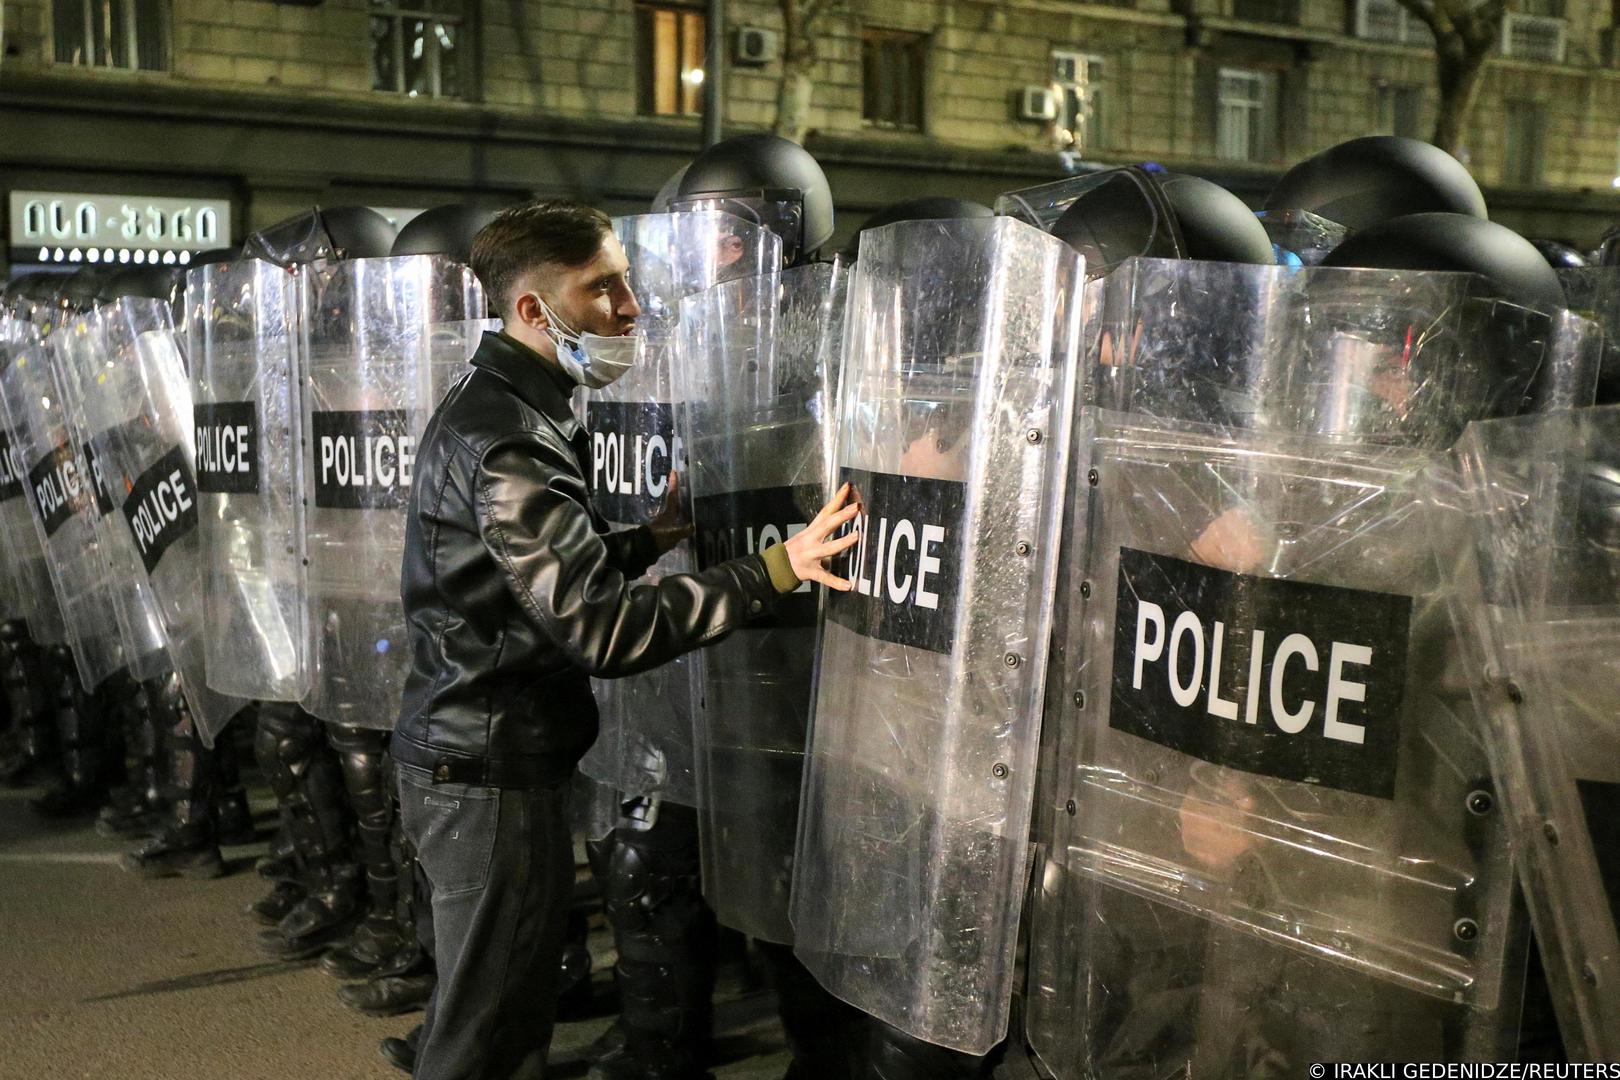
(81, 290)
(336, 232)
(1456, 243)
(1559, 255)
(1130, 212)
(215, 255)
(1215, 224)
(156, 282)
(444, 230)
(927, 208)
(768, 180)
(1365, 181)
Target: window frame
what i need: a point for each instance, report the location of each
(1096, 94)
(401, 11)
(688, 96)
(131, 36)
(1267, 84)
(921, 42)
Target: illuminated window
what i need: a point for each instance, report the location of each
(130, 34)
(419, 47)
(894, 65)
(669, 40)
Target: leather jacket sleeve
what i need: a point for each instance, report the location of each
(534, 519)
(631, 551)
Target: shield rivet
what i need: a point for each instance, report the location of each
(1092, 477)
(1023, 547)
(1070, 807)
(1085, 589)
(1033, 435)
(1079, 699)
(1465, 929)
(1012, 659)
(1480, 803)
(999, 771)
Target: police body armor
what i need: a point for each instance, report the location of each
(955, 402)
(1261, 823)
(382, 340)
(645, 744)
(1542, 592)
(754, 371)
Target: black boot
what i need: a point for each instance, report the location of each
(401, 1053)
(306, 777)
(81, 729)
(274, 906)
(231, 809)
(138, 809)
(665, 935)
(188, 845)
(825, 1034)
(280, 862)
(33, 751)
(383, 944)
(390, 995)
(574, 997)
(175, 853)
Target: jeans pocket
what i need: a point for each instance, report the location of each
(453, 827)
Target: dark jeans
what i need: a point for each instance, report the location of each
(500, 866)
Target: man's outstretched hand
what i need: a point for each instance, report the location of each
(809, 549)
(667, 528)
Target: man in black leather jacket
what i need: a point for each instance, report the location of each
(516, 594)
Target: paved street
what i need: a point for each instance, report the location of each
(107, 976)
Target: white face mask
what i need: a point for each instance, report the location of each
(591, 360)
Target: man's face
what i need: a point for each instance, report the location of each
(595, 298)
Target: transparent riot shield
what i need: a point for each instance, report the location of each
(29, 581)
(645, 743)
(242, 342)
(1594, 291)
(382, 339)
(955, 402)
(1541, 598)
(74, 349)
(136, 399)
(60, 501)
(753, 370)
(1262, 819)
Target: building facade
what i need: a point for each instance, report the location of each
(255, 109)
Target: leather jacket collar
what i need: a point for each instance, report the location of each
(541, 383)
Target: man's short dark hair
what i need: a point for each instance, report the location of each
(522, 239)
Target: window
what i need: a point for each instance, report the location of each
(1272, 11)
(419, 48)
(1533, 37)
(1247, 115)
(893, 64)
(670, 43)
(1522, 147)
(1400, 111)
(1081, 99)
(131, 34)
(1388, 20)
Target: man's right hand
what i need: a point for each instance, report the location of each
(809, 549)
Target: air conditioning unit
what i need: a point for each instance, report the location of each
(755, 46)
(1037, 103)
